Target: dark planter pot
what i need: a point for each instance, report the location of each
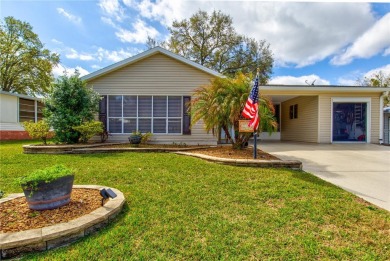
(49, 195)
(135, 139)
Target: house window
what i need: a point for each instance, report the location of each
(30, 110)
(156, 114)
(294, 111)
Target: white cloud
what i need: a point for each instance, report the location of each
(384, 69)
(109, 21)
(165, 11)
(302, 80)
(60, 70)
(139, 35)
(372, 42)
(386, 52)
(352, 78)
(299, 33)
(114, 56)
(70, 17)
(112, 8)
(96, 67)
(56, 41)
(73, 54)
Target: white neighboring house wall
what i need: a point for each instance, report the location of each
(9, 115)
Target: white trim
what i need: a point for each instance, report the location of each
(21, 96)
(368, 114)
(144, 55)
(298, 89)
(318, 120)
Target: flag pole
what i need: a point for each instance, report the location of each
(255, 132)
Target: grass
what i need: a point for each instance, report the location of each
(183, 208)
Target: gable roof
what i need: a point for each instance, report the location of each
(144, 55)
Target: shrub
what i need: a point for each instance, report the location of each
(39, 130)
(145, 138)
(69, 104)
(89, 129)
(47, 175)
(1, 193)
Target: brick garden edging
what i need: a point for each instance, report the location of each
(290, 164)
(41, 239)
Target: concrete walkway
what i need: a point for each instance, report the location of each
(363, 169)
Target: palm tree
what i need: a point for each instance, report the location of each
(220, 103)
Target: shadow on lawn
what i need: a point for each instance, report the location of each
(310, 178)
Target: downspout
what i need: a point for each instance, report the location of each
(384, 94)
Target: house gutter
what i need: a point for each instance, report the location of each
(381, 99)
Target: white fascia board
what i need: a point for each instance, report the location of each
(21, 96)
(144, 55)
(324, 88)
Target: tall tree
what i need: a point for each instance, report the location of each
(25, 65)
(220, 104)
(211, 40)
(379, 79)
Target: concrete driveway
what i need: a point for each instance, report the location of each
(363, 169)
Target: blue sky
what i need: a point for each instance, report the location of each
(332, 43)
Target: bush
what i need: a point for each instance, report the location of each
(39, 130)
(89, 129)
(47, 175)
(1, 193)
(69, 104)
(145, 138)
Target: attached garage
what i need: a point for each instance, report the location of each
(328, 114)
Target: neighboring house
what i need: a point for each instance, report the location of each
(386, 125)
(15, 109)
(149, 92)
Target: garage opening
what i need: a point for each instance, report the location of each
(349, 122)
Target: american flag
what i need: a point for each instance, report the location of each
(252, 106)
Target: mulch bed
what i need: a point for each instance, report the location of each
(229, 153)
(16, 216)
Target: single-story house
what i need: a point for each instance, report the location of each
(148, 92)
(15, 109)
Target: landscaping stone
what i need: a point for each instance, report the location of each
(14, 244)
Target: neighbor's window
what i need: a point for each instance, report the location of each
(30, 110)
(156, 114)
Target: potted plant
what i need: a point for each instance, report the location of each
(135, 138)
(48, 188)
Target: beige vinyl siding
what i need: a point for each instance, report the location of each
(325, 117)
(305, 127)
(157, 75)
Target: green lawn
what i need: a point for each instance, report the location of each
(183, 208)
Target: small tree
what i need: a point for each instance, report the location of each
(69, 104)
(220, 104)
(39, 130)
(89, 129)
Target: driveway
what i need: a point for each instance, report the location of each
(363, 169)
